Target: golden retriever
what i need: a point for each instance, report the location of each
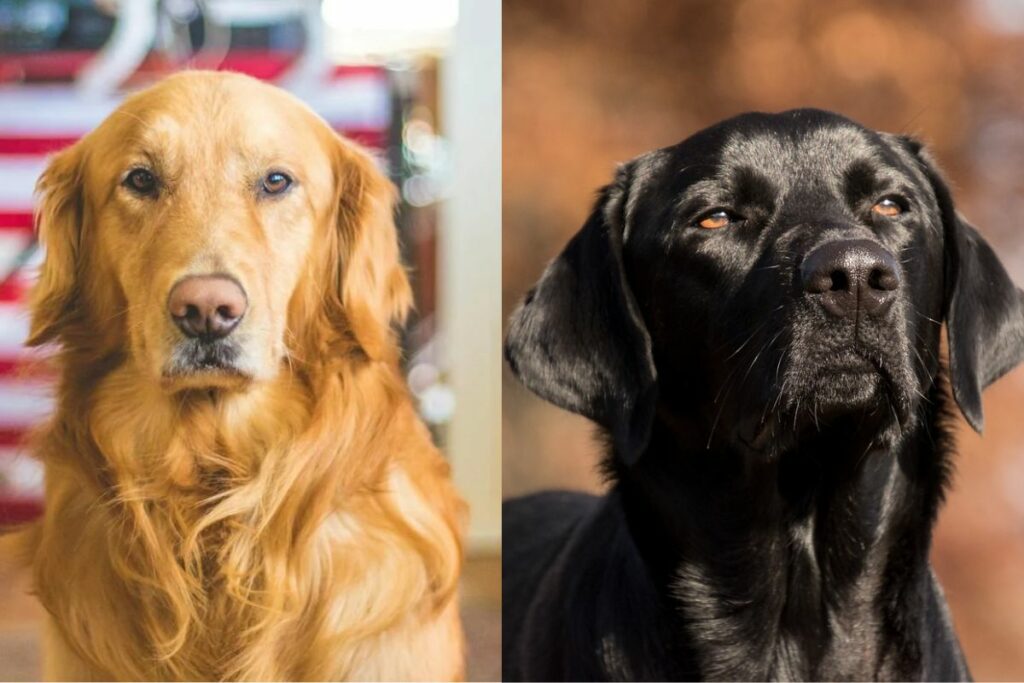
(237, 485)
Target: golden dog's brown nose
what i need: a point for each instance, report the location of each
(207, 306)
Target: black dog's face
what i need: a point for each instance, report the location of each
(769, 278)
(789, 269)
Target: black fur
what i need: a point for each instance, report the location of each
(776, 470)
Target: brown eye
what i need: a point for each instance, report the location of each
(887, 207)
(276, 183)
(716, 220)
(141, 181)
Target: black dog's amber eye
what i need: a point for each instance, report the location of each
(716, 220)
(276, 183)
(141, 181)
(887, 207)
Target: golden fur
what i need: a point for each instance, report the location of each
(292, 521)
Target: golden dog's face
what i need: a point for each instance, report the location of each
(205, 225)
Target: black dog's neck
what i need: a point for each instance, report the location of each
(788, 558)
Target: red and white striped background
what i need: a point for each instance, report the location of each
(36, 120)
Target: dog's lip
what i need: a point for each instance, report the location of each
(868, 374)
(208, 372)
(855, 364)
(865, 369)
(209, 361)
(217, 359)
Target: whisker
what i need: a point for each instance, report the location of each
(754, 333)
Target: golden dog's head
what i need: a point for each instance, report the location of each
(211, 228)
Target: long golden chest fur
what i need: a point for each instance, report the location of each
(200, 550)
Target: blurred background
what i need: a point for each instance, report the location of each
(415, 81)
(591, 83)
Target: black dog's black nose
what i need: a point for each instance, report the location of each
(851, 277)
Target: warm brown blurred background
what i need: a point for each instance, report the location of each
(589, 83)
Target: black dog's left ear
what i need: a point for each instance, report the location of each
(984, 309)
(578, 339)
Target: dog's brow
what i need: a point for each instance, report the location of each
(131, 115)
(860, 178)
(139, 151)
(257, 162)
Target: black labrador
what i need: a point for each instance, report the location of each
(753, 318)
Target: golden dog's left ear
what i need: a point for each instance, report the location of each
(373, 289)
(53, 298)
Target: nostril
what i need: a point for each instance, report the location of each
(226, 312)
(192, 312)
(883, 279)
(840, 281)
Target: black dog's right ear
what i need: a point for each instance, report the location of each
(578, 339)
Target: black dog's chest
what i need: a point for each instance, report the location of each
(775, 619)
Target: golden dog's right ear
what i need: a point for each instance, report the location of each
(59, 225)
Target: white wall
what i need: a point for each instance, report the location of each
(470, 264)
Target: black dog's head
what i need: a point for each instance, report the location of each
(767, 277)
